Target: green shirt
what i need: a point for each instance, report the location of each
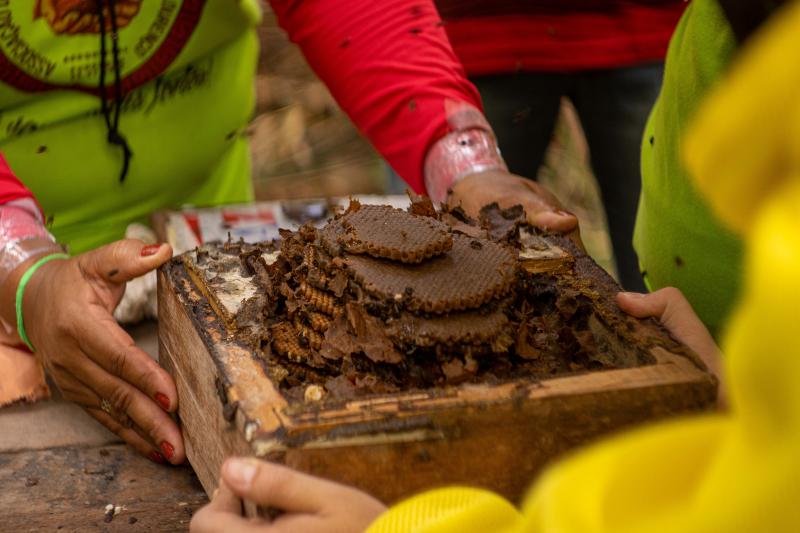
(679, 241)
(190, 67)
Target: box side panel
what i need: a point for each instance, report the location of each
(502, 447)
(208, 436)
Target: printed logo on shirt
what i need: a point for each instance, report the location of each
(55, 44)
(81, 16)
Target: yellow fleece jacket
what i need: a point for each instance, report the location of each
(738, 471)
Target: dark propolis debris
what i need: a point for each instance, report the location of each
(341, 312)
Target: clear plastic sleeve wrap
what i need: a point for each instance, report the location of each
(469, 148)
(21, 236)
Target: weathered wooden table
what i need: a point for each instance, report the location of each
(59, 469)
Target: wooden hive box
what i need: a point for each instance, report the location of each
(495, 435)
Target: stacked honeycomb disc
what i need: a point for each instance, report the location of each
(380, 231)
(382, 282)
(470, 274)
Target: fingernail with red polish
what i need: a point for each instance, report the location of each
(157, 458)
(162, 399)
(150, 249)
(167, 450)
(564, 213)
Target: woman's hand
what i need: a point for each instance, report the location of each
(675, 313)
(308, 503)
(543, 210)
(67, 310)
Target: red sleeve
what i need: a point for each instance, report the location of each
(390, 67)
(10, 187)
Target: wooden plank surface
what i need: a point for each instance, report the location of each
(67, 489)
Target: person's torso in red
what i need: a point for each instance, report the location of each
(502, 36)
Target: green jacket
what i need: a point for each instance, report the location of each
(190, 67)
(679, 240)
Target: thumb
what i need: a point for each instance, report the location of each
(643, 305)
(269, 484)
(668, 305)
(545, 211)
(553, 220)
(675, 313)
(124, 260)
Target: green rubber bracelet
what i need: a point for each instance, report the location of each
(26, 277)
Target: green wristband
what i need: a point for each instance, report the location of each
(26, 277)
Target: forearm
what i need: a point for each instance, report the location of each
(392, 70)
(23, 240)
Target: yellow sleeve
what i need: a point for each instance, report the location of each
(449, 510)
(639, 481)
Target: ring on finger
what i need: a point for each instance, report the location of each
(107, 407)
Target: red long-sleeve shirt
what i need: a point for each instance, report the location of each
(507, 36)
(389, 65)
(11, 188)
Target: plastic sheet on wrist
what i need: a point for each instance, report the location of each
(470, 148)
(18, 225)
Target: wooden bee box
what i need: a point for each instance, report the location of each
(494, 435)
